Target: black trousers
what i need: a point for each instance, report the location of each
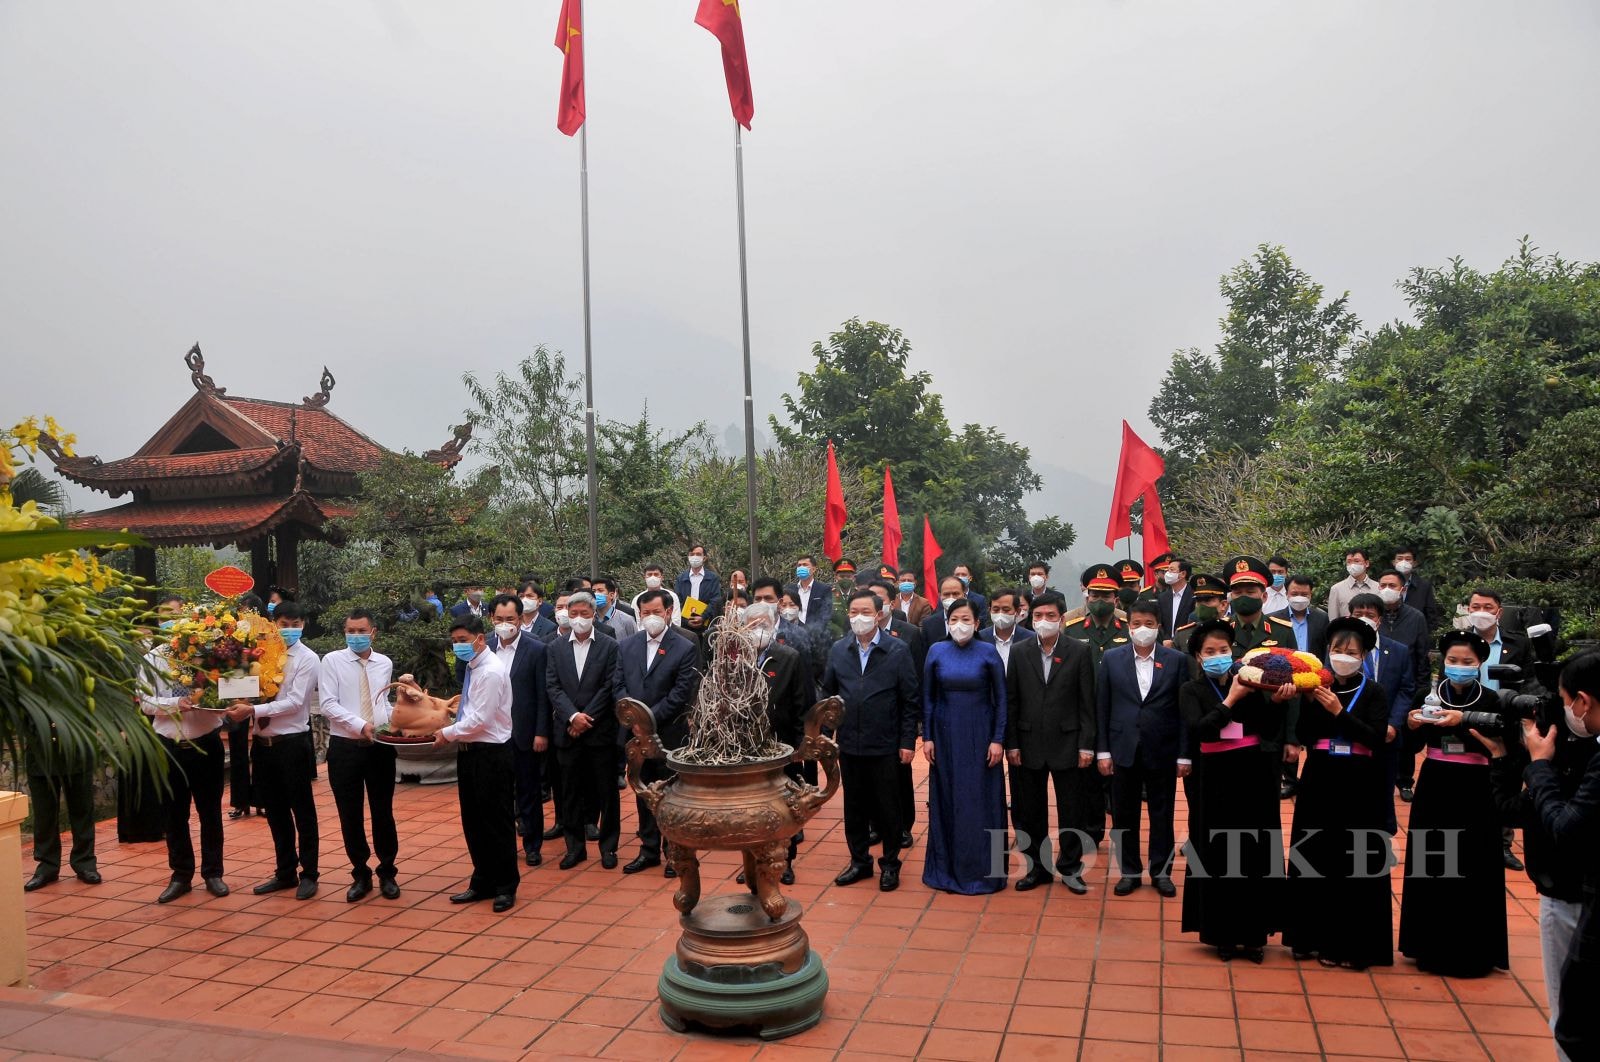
(358, 774)
(872, 797)
(486, 786)
(283, 786)
(1077, 798)
(195, 776)
(589, 788)
(239, 794)
(906, 795)
(46, 790)
(1160, 786)
(649, 829)
(528, 770)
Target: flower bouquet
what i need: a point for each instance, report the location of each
(215, 647)
(1268, 669)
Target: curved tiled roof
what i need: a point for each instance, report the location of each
(327, 442)
(211, 521)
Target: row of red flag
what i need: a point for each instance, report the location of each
(833, 527)
(720, 17)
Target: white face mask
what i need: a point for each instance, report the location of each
(1404, 567)
(738, 614)
(530, 605)
(696, 561)
(863, 625)
(763, 636)
(948, 601)
(1171, 578)
(1356, 570)
(1046, 628)
(561, 619)
(1344, 665)
(1482, 620)
(1390, 595)
(961, 632)
(505, 631)
(1036, 581)
(653, 625)
(1575, 722)
(790, 614)
(1003, 620)
(1369, 621)
(652, 582)
(582, 624)
(1144, 637)
(1299, 603)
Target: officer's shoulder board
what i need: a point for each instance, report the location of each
(1186, 626)
(1074, 622)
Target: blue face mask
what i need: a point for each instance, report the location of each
(600, 600)
(358, 643)
(167, 625)
(290, 636)
(965, 582)
(1460, 674)
(272, 606)
(908, 588)
(1217, 666)
(464, 651)
(802, 572)
(1277, 580)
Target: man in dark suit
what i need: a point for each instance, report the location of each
(1138, 741)
(1505, 647)
(789, 697)
(1176, 600)
(657, 666)
(933, 628)
(894, 627)
(1004, 632)
(579, 673)
(1310, 624)
(1050, 740)
(1390, 665)
(700, 582)
(523, 656)
(1417, 590)
(980, 604)
(470, 605)
(815, 598)
(875, 676)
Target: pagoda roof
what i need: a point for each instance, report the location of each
(216, 522)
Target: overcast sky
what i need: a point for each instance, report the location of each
(1040, 194)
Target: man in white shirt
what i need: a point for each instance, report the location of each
(1003, 631)
(360, 771)
(194, 776)
(282, 760)
(653, 581)
(1278, 590)
(485, 771)
(1358, 582)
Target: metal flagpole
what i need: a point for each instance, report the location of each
(588, 352)
(749, 401)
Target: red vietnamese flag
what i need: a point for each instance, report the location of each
(1137, 471)
(722, 18)
(1154, 531)
(833, 513)
(892, 535)
(930, 553)
(569, 38)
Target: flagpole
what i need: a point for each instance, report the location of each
(588, 353)
(749, 401)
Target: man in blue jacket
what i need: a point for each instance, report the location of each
(875, 675)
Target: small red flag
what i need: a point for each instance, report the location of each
(569, 38)
(1137, 471)
(892, 534)
(930, 553)
(723, 19)
(1155, 528)
(833, 514)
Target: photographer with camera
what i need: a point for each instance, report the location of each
(1572, 824)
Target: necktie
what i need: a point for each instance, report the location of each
(466, 683)
(366, 692)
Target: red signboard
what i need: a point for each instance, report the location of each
(229, 581)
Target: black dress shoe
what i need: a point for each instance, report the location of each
(174, 889)
(1166, 888)
(40, 879)
(470, 896)
(889, 880)
(1286, 790)
(608, 860)
(238, 813)
(533, 859)
(906, 839)
(503, 902)
(591, 833)
(642, 862)
(669, 872)
(787, 877)
(389, 888)
(306, 889)
(552, 833)
(1226, 952)
(1511, 860)
(1406, 791)
(89, 877)
(358, 890)
(1256, 955)
(853, 873)
(1075, 884)
(572, 859)
(272, 885)
(1126, 885)
(216, 886)
(1032, 880)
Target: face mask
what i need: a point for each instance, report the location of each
(863, 625)
(505, 631)
(1127, 596)
(763, 636)
(1483, 620)
(1003, 620)
(652, 582)
(791, 615)
(1144, 637)
(1299, 603)
(738, 614)
(475, 598)
(1101, 609)
(965, 582)
(1369, 621)
(581, 624)
(908, 588)
(961, 632)
(1171, 578)
(1404, 567)
(653, 625)
(167, 625)
(1460, 674)
(1244, 605)
(272, 606)
(562, 619)
(1217, 666)
(1389, 594)
(1575, 723)
(358, 643)
(1047, 628)
(464, 651)
(1343, 664)
(600, 600)
(530, 606)
(1036, 581)
(290, 636)
(1205, 613)
(948, 601)
(1278, 579)
(802, 572)
(696, 561)
(1356, 570)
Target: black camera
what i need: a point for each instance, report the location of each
(1542, 706)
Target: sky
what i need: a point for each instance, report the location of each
(1041, 195)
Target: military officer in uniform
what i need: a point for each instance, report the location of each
(1082, 611)
(1210, 602)
(1131, 573)
(1100, 626)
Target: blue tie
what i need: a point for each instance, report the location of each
(466, 682)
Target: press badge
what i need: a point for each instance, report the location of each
(1454, 748)
(1337, 747)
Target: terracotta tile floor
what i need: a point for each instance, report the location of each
(571, 970)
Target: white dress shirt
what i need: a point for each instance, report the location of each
(290, 711)
(1044, 657)
(485, 710)
(804, 594)
(1277, 600)
(1003, 647)
(652, 646)
(339, 686)
(1144, 668)
(696, 577)
(580, 652)
(160, 702)
(506, 650)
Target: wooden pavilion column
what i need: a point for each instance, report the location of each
(288, 571)
(144, 564)
(261, 565)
